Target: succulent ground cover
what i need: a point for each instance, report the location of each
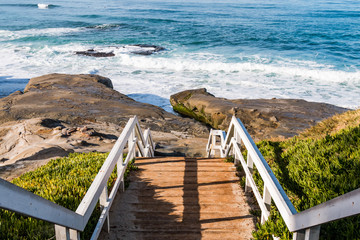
(63, 181)
(314, 168)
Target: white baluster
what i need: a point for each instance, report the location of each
(103, 200)
(267, 201)
(250, 165)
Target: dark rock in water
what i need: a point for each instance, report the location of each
(140, 49)
(93, 53)
(146, 49)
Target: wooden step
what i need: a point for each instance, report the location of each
(181, 198)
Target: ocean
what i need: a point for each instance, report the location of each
(235, 49)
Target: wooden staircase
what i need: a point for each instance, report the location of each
(181, 198)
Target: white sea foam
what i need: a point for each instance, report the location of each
(165, 74)
(43, 6)
(6, 35)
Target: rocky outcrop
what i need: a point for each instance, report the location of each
(93, 53)
(145, 49)
(263, 118)
(139, 49)
(58, 113)
(76, 99)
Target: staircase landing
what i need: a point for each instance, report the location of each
(181, 198)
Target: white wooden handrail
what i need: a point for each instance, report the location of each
(306, 224)
(68, 224)
(17, 199)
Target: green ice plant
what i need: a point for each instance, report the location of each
(313, 171)
(63, 181)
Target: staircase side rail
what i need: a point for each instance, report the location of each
(343, 206)
(150, 145)
(69, 223)
(306, 224)
(17, 199)
(212, 146)
(132, 135)
(281, 200)
(237, 130)
(88, 203)
(107, 204)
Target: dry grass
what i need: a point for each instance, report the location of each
(42, 131)
(333, 125)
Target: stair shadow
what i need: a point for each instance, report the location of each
(138, 213)
(142, 212)
(174, 225)
(191, 214)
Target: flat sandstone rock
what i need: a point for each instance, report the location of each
(263, 118)
(77, 99)
(58, 114)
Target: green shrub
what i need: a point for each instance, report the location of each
(313, 171)
(63, 181)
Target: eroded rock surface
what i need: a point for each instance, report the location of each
(57, 114)
(76, 99)
(263, 118)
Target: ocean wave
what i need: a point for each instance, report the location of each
(104, 26)
(289, 69)
(6, 35)
(44, 5)
(17, 5)
(250, 77)
(91, 16)
(39, 5)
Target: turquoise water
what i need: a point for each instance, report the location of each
(235, 49)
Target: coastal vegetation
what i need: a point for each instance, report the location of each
(63, 181)
(319, 165)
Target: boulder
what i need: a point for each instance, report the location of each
(144, 49)
(263, 118)
(93, 53)
(77, 99)
(59, 113)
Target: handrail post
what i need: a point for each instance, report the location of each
(267, 202)
(299, 235)
(308, 234)
(62, 233)
(212, 146)
(65, 233)
(103, 201)
(236, 158)
(132, 140)
(238, 143)
(119, 167)
(312, 233)
(250, 166)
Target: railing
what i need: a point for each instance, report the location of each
(304, 225)
(68, 224)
